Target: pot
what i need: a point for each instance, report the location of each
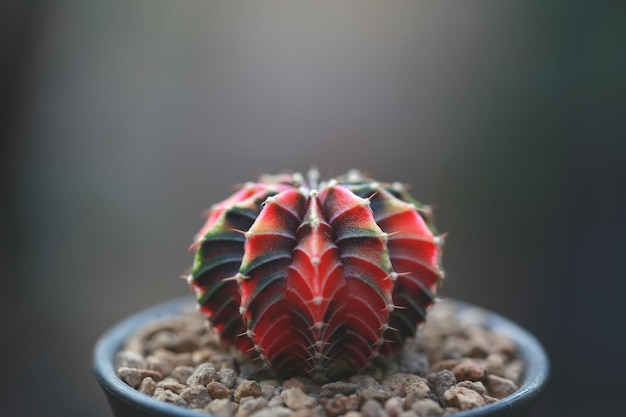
(127, 402)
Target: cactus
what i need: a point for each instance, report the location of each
(317, 279)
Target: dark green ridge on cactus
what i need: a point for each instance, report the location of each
(315, 278)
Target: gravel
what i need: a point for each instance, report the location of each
(450, 367)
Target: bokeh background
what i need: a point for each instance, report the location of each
(122, 121)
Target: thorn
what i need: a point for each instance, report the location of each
(248, 333)
(242, 310)
(315, 260)
(427, 210)
(390, 308)
(394, 275)
(318, 326)
(318, 300)
(386, 327)
(313, 193)
(398, 186)
(442, 273)
(332, 183)
(194, 246)
(189, 278)
(239, 277)
(441, 239)
(243, 232)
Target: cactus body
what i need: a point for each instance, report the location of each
(317, 279)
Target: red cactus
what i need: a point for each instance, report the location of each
(317, 280)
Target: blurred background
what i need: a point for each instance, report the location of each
(122, 121)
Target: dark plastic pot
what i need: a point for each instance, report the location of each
(127, 402)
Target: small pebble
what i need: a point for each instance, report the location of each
(196, 396)
(295, 399)
(500, 387)
(294, 383)
(463, 398)
(469, 370)
(227, 377)
(148, 385)
(249, 405)
(372, 408)
(159, 364)
(477, 386)
(340, 404)
(134, 376)
(217, 390)
(130, 359)
(276, 401)
(427, 408)
(272, 411)
(182, 373)
(419, 386)
(221, 407)
(443, 381)
(339, 387)
(247, 388)
(394, 406)
(202, 375)
(175, 387)
(168, 396)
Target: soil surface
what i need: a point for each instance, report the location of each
(454, 364)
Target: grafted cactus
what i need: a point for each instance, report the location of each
(317, 278)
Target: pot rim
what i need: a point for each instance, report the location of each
(530, 351)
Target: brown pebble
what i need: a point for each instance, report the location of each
(175, 387)
(247, 388)
(249, 405)
(445, 364)
(477, 386)
(273, 411)
(196, 396)
(148, 385)
(218, 390)
(130, 359)
(416, 385)
(499, 387)
(202, 375)
(338, 387)
(131, 376)
(168, 396)
(295, 399)
(463, 398)
(372, 408)
(353, 414)
(340, 404)
(294, 383)
(469, 370)
(366, 381)
(427, 408)
(221, 407)
(489, 400)
(513, 370)
(276, 401)
(366, 394)
(396, 381)
(181, 373)
(394, 406)
(159, 364)
(183, 359)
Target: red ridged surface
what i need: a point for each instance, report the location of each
(317, 282)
